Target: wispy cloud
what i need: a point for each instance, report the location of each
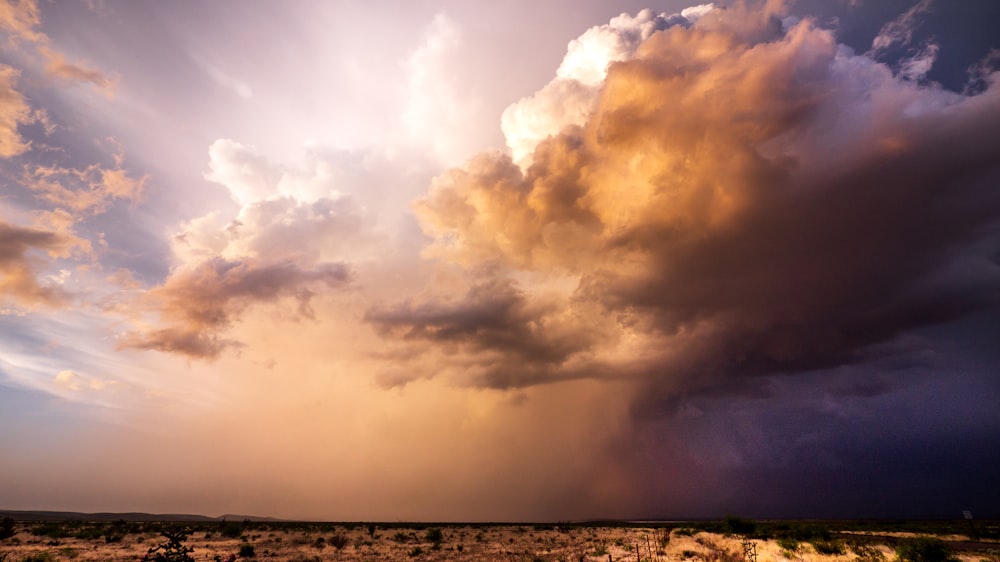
(20, 19)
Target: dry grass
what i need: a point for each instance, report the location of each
(500, 543)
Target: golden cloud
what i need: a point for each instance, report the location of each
(747, 196)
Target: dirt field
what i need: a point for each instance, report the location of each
(478, 543)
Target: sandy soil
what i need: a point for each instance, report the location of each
(506, 543)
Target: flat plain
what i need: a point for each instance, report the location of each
(312, 542)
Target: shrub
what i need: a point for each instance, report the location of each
(828, 547)
(6, 528)
(788, 544)
(434, 535)
(247, 551)
(867, 552)
(738, 526)
(173, 550)
(684, 532)
(337, 541)
(417, 551)
(230, 529)
(51, 530)
(924, 549)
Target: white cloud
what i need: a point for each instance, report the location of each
(438, 110)
(245, 173)
(570, 97)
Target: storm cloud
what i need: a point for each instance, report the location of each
(746, 197)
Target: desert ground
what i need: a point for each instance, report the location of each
(113, 541)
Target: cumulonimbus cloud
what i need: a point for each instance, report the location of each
(746, 196)
(569, 98)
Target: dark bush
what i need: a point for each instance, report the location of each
(247, 551)
(6, 528)
(788, 544)
(434, 535)
(924, 549)
(231, 529)
(337, 541)
(738, 526)
(828, 547)
(173, 550)
(51, 530)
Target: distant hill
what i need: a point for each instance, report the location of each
(131, 516)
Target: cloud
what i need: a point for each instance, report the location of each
(20, 279)
(899, 32)
(20, 19)
(746, 197)
(569, 98)
(198, 304)
(14, 111)
(437, 109)
(75, 382)
(290, 238)
(89, 189)
(500, 338)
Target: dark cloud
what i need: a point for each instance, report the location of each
(19, 276)
(200, 303)
(745, 199)
(502, 339)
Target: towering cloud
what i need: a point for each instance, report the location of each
(569, 98)
(746, 196)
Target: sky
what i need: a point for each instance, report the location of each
(500, 261)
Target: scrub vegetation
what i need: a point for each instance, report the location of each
(700, 541)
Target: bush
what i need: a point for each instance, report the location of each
(6, 528)
(867, 552)
(337, 541)
(788, 544)
(830, 547)
(247, 551)
(434, 535)
(417, 551)
(231, 529)
(738, 526)
(173, 550)
(51, 530)
(924, 549)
